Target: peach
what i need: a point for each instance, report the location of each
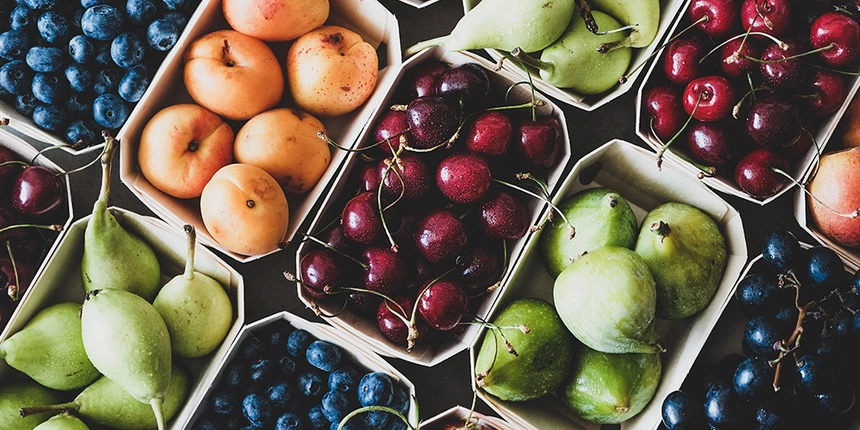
(331, 71)
(232, 74)
(181, 147)
(275, 20)
(245, 210)
(284, 143)
(836, 185)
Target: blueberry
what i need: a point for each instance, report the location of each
(310, 383)
(288, 366)
(107, 81)
(40, 4)
(375, 389)
(316, 419)
(162, 34)
(400, 400)
(375, 419)
(298, 343)
(209, 423)
(102, 52)
(681, 411)
(234, 375)
(14, 44)
(257, 410)
(263, 371)
(753, 377)
(344, 379)
(53, 27)
(178, 19)
(79, 77)
(335, 405)
(81, 49)
(86, 4)
(395, 424)
(110, 111)
(134, 83)
(22, 18)
(140, 12)
(49, 117)
(225, 403)
(102, 22)
(26, 103)
(16, 78)
(252, 349)
(127, 49)
(50, 88)
(353, 424)
(289, 421)
(173, 4)
(78, 131)
(323, 355)
(76, 19)
(79, 105)
(280, 395)
(780, 249)
(44, 59)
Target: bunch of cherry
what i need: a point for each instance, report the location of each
(32, 201)
(742, 92)
(799, 343)
(432, 201)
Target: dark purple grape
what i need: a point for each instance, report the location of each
(753, 378)
(682, 411)
(723, 407)
(825, 270)
(762, 334)
(780, 249)
(754, 291)
(815, 374)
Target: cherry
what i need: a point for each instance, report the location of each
(389, 318)
(360, 219)
(464, 177)
(839, 30)
(401, 224)
(385, 271)
(442, 304)
(503, 215)
(721, 15)
(735, 56)
(766, 16)
(800, 147)
(780, 71)
(681, 60)
(388, 129)
(440, 236)
(755, 173)
(465, 83)
(480, 266)
(409, 174)
(427, 270)
(29, 248)
(363, 303)
(15, 286)
(538, 143)
(709, 143)
(318, 269)
(663, 102)
(367, 175)
(432, 121)
(37, 191)
(8, 218)
(489, 133)
(773, 122)
(712, 98)
(334, 237)
(8, 171)
(420, 81)
(826, 90)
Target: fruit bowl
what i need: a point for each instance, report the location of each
(63, 216)
(359, 325)
(60, 281)
(460, 413)
(668, 11)
(624, 168)
(798, 160)
(376, 25)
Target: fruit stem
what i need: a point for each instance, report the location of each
(335, 250)
(107, 154)
(853, 214)
(631, 27)
(14, 289)
(364, 409)
(56, 409)
(661, 229)
(313, 306)
(4, 121)
(413, 328)
(530, 61)
(156, 404)
(623, 78)
(736, 55)
(587, 17)
(542, 198)
(389, 168)
(678, 133)
(191, 234)
(420, 46)
(841, 72)
(541, 184)
(704, 170)
(790, 57)
(531, 104)
(531, 84)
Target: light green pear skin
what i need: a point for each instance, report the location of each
(611, 388)
(14, 396)
(601, 217)
(49, 349)
(113, 257)
(128, 342)
(544, 353)
(687, 262)
(63, 422)
(576, 62)
(644, 13)
(607, 299)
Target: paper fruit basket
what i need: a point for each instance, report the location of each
(63, 215)
(627, 169)
(366, 328)
(60, 281)
(368, 18)
(460, 413)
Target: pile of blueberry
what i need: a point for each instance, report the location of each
(75, 67)
(800, 340)
(284, 378)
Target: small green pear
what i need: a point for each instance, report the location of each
(195, 307)
(610, 388)
(127, 341)
(64, 421)
(113, 257)
(14, 396)
(607, 299)
(526, 353)
(49, 349)
(686, 253)
(601, 216)
(105, 404)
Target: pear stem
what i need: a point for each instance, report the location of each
(661, 229)
(58, 408)
(530, 61)
(156, 404)
(420, 46)
(191, 234)
(107, 155)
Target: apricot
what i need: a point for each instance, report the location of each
(275, 20)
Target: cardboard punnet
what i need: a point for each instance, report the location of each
(366, 328)
(461, 413)
(419, 3)
(668, 10)
(63, 216)
(60, 281)
(724, 181)
(368, 18)
(26, 125)
(626, 168)
(352, 350)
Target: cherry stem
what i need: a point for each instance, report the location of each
(52, 227)
(853, 214)
(541, 184)
(841, 72)
(313, 306)
(532, 104)
(678, 133)
(542, 198)
(790, 57)
(623, 78)
(704, 170)
(530, 82)
(767, 22)
(736, 56)
(14, 291)
(389, 168)
(333, 249)
(736, 109)
(446, 143)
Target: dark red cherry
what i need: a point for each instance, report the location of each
(839, 30)
(735, 56)
(428, 271)
(392, 326)
(8, 217)
(780, 72)
(714, 95)
(30, 247)
(443, 304)
(710, 143)
(489, 134)
(722, 16)
(480, 267)
(766, 16)
(390, 126)
(318, 269)
(26, 272)
(754, 173)
(420, 81)
(503, 215)
(465, 83)
(386, 270)
(367, 175)
(440, 236)
(363, 303)
(538, 143)
(8, 172)
(464, 177)
(37, 191)
(432, 121)
(409, 175)
(825, 90)
(334, 237)
(360, 219)
(800, 147)
(663, 102)
(681, 60)
(773, 122)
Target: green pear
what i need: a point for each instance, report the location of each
(642, 15)
(607, 299)
(610, 388)
(195, 307)
(127, 341)
(64, 421)
(686, 253)
(538, 360)
(14, 396)
(104, 403)
(601, 216)
(113, 257)
(530, 25)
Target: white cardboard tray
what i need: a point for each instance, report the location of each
(461, 413)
